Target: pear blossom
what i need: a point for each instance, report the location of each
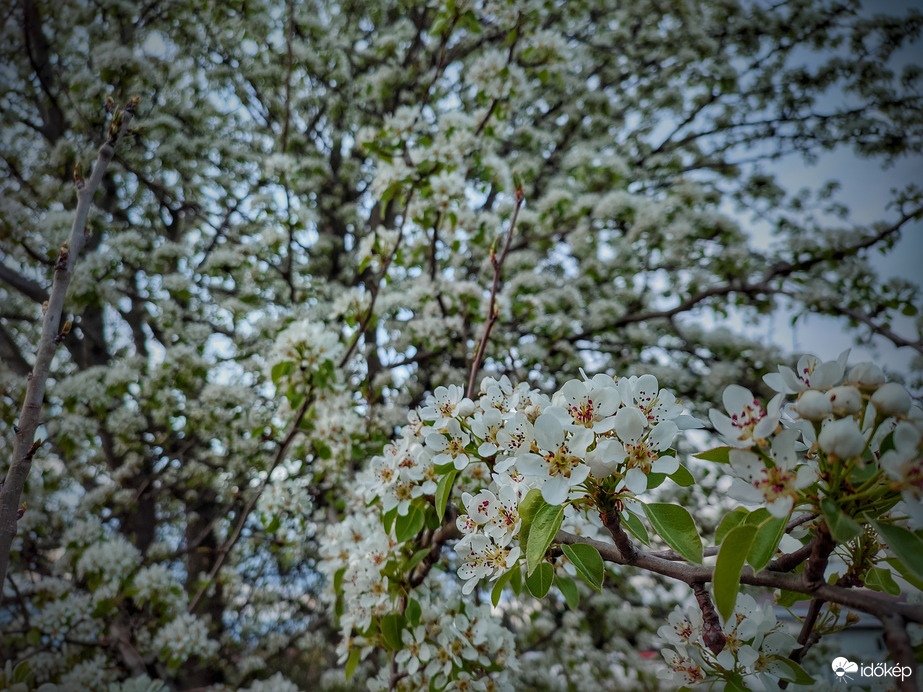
(642, 446)
(776, 485)
(450, 447)
(586, 406)
(748, 420)
(904, 465)
(559, 466)
(444, 404)
(810, 373)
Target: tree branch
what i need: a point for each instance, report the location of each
(865, 601)
(25, 445)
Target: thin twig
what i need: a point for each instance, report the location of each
(492, 314)
(376, 287)
(25, 444)
(225, 550)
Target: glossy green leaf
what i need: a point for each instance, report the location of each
(545, 525)
(765, 542)
(539, 582)
(588, 562)
(634, 526)
(351, 663)
(444, 492)
(417, 558)
(795, 673)
(842, 527)
(720, 455)
(675, 526)
(501, 583)
(568, 589)
(733, 518)
(527, 508)
(906, 546)
(413, 611)
(880, 579)
(731, 557)
(392, 625)
(280, 370)
(682, 477)
(410, 524)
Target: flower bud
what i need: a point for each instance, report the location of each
(866, 375)
(841, 438)
(892, 399)
(813, 405)
(845, 400)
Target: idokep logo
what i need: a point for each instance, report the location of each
(845, 670)
(842, 667)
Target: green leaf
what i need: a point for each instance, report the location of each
(880, 579)
(588, 562)
(351, 663)
(388, 519)
(906, 546)
(33, 637)
(516, 579)
(767, 538)
(527, 508)
(733, 518)
(413, 611)
(540, 580)
(392, 625)
(417, 558)
(410, 524)
(338, 579)
(634, 526)
(720, 455)
(787, 599)
(675, 526)
(842, 527)
(901, 569)
(796, 674)
(735, 683)
(545, 525)
(654, 480)
(280, 370)
(731, 556)
(682, 477)
(501, 583)
(568, 589)
(444, 491)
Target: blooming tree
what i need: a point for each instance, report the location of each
(381, 352)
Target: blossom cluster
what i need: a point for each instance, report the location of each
(756, 645)
(494, 449)
(848, 419)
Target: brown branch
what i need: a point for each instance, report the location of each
(28, 287)
(225, 550)
(25, 444)
(375, 287)
(880, 329)
(9, 354)
(807, 638)
(492, 313)
(858, 599)
(712, 634)
(898, 642)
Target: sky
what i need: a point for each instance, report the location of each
(866, 189)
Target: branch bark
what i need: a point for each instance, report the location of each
(875, 604)
(25, 445)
